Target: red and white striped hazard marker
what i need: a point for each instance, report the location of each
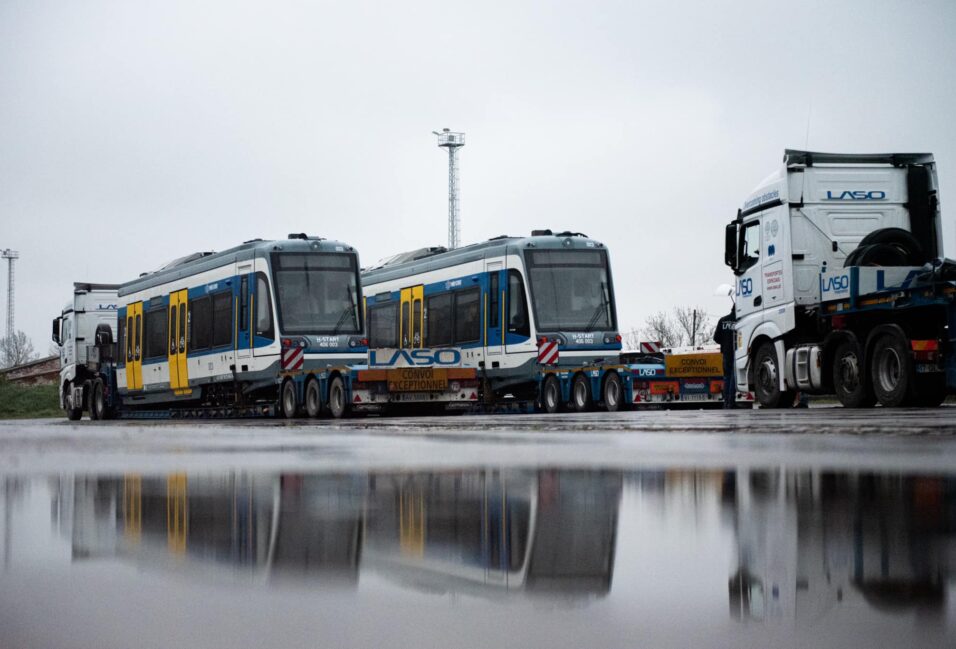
(293, 358)
(548, 353)
(650, 347)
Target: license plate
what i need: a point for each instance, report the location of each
(926, 368)
(418, 379)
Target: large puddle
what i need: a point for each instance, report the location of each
(479, 557)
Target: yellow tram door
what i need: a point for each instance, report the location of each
(178, 368)
(412, 324)
(134, 346)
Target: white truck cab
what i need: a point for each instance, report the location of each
(86, 326)
(817, 213)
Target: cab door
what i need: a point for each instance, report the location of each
(412, 318)
(134, 346)
(244, 334)
(178, 368)
(494, 314)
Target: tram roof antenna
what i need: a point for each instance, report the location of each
(452, 141)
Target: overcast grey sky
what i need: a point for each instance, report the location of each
(132, 133)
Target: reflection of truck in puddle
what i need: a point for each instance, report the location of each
(546, 530)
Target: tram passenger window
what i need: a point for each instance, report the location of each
(129, 339)
(383, 325)
(200, 323)
(440, 320)
(263, 307)
(467, 316)
(493, 301)
(155, 333)
(517, 305)
(221, 319)
(172, 329)
(138, 328)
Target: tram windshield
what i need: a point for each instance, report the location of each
(317, 293)
(571, 290)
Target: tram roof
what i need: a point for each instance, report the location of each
(202, 261)
(427, 259)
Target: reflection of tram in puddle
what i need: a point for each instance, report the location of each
(544, 531)
(260, 525)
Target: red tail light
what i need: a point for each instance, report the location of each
(286, 342)
(618, 338)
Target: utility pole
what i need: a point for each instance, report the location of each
(693, 335)
(11, 256)
(452, 142)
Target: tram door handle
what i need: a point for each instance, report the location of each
(758, 300)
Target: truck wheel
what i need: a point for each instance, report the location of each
(98, 401)
(551, 394)
(337, 403)
(892, 370)
(930, 391)
(581, 393)
(72, 412)
(849, 376)
(767, 379)
(287, 400)
(313, 400)
(612, 392)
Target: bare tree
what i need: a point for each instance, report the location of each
(631, 339)
(16, 349)
(660, 327)
(697, 328)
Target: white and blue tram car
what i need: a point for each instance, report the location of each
(267, 323)
(497, 301)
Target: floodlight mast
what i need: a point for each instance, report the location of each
(452, 141)
(11, 256)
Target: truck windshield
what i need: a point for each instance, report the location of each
(316, 292)
(571, 290)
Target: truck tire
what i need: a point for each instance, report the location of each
(767, 379)
(850, 381)
(72, 412)
(877, 254)
(288, 401)
(551, 394)
(902, 240)
(313, 398)
(581, 393)
(338, 406)
(98, 401)
(930, 390)
(612, 392)
(891, 370)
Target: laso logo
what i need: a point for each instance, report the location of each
(838, 283)
(746, 286)
(856, 195)
(413, 357)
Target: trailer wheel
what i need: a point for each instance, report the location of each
(337, 404)
(849, 376)
(892, 370)
(288, 402)
(551, 394)
(313, 399)
(581, 393)
(98, 401)
(767, 379)
(72, 412)
(612, 392)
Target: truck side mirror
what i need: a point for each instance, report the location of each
(56, 330)
(730, 245)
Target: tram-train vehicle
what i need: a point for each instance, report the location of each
(497, 302)
(264, 325)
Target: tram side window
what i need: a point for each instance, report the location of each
(121, 341)
(244, 303)
(200, 323)
(493, 300)
(440, 320)
(155, 333)
(221, 319)
(517, 305)
(263, 307)
(467, 316)
(383, 325)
